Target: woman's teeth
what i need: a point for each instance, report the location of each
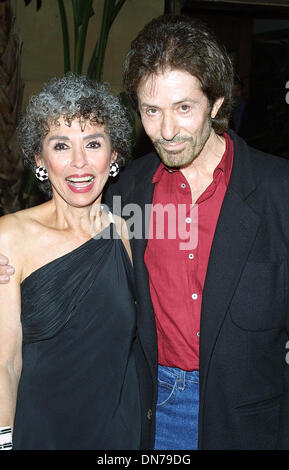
(83, 180)
(80, 179)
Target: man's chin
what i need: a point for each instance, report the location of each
(174, 159)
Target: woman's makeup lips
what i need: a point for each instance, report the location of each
(80, 183)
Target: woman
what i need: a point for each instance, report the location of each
(67, 370)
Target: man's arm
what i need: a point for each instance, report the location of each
(10, 350)
(6, 270)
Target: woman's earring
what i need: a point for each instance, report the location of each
(113, 169)
(41, 173)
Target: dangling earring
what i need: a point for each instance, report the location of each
(113, 169)
(41, 173)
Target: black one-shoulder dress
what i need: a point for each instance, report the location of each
(78, 388)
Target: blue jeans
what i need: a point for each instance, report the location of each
(177, 409)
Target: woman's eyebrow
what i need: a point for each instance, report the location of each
(64, 137)
(58, 137)
(94, 136)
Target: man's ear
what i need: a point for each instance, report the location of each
(216, 106)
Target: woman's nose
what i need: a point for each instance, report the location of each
(79, 158)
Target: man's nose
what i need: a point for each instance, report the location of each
(170, 127)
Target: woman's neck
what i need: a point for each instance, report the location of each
(81, 220)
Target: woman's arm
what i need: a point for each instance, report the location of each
(10, 325)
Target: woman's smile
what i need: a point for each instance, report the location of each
(80, 183)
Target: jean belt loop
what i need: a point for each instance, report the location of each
(182, 381)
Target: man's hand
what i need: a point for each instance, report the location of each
(5, 270)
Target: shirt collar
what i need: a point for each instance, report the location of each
(161, 168)
(226, 162)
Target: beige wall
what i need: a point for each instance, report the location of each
(42, 52)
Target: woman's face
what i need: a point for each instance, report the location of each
(77, 158)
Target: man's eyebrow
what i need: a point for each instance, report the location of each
(147, 105)
(183, 100)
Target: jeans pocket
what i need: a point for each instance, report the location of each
(166, 389)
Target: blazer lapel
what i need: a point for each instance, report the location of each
(235, 233)
(143, 196)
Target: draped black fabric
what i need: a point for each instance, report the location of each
(79, 388)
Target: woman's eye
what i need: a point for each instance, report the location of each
(60, 146)
(93, 145)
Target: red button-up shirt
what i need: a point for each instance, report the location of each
(177, 256)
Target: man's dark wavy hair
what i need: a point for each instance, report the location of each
(179, 42)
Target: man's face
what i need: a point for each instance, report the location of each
(176, 115)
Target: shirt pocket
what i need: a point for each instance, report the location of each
(259, 300)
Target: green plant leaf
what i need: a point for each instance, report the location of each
(80, 46)
(116, 10)
(92, 63)
(79, 7)
(76, 12)
(38, 3)
(65, 36)
(99, 50)
(124, 100)
(76, 21)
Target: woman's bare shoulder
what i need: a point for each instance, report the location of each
(15, 227)
(10, 226)
(123, 233)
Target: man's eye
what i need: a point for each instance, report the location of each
(93, 144)
(184, 108)
(60, 146)
(151, 111)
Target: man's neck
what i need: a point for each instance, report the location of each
(199, 173)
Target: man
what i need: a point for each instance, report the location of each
(212, 315)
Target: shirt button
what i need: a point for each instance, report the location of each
(149, 414)
(183, 185)
(191, 255)
(188, 220)
(194, 296)
(198, 334)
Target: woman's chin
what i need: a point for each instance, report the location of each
(78, 198)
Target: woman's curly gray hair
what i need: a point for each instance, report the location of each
(70, 97)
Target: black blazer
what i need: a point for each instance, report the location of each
(244, 376)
